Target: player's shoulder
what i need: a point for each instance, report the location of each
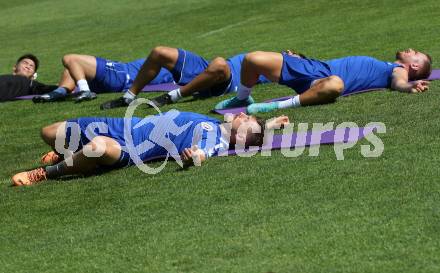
(399, 71)
(14, 78)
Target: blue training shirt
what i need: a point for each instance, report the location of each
(362, 72)
(180, 130)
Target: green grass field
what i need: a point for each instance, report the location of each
(259, 214)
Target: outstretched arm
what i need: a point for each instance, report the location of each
(277, 122)
(400, 82)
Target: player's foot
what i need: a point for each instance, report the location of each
(161, 100)
(119, 102)
(85, 96)
(50, 158)
(29, 178)
(262, 107)
(234, 102)
(49, 97)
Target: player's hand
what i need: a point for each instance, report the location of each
(278, 122)
(419, 86)
(192, 156)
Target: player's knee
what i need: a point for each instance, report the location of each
(44, 132)
(159, 53)
(99, 143)
(48, 133)
(254, 58)
(106, 149)
(336, 84)
(69, 59)
(219, 67)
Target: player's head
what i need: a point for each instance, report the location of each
(26, 65)
(419, 64)
(247, 130)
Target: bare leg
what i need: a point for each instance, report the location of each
(254, 64)
(217, 72)
(323, 91)
(78, 69)
(67, 81)
(259, 63)
(159, 57)
(83, 164)
(80, 66)
(270, 64)
(49, 133)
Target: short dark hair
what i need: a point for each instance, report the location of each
(256, 139)
(31, 57)
(426, 69)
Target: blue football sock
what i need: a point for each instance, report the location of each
(262, 107)
(61, 91)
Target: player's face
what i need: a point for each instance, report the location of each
(243, 121)
(25, 67)
(410, 55)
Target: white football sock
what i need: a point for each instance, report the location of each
(292, 102)
(129, 96)
(243, 92)
(175, 95)
(83, 85)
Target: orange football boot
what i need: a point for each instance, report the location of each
(29, 178)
